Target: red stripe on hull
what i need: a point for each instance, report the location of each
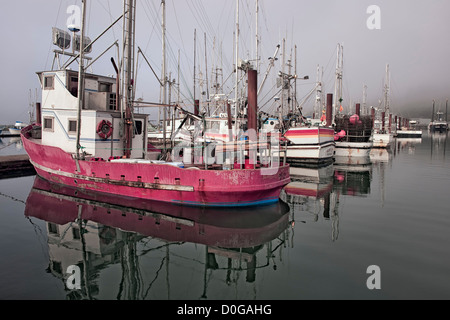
(309, 132)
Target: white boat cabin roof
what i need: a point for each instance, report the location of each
(60, 90)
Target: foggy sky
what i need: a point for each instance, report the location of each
(413, 40)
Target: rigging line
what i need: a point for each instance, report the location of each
(149, 12)
(111, 18)
(248, 15)
(9, 144)
(269, 91)
(193, 13)
(270, 98)
(331, 73)
(156, 277)
(122, 280)
(159, 36)
(178, 26)
(51, 41)
(88, 27)
(226, 27)
(174, 59)
(156, 22)
(108, 11)
(332, 58)
(155, 18)
(12, 198)
(151, 33)
(224, 60)
(219, 22)
(205, 18)
(244, 32)
(262, 9)
(41, 238)
(171, 54)
(152, 11)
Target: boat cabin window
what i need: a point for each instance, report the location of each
(52, 228)
(49, 82)
(73, 86)
(138, 127)
(72, 126)
(213, 126)
(76, 234)
(48, 124)
(104, 87)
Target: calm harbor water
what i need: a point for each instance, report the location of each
(393, 213)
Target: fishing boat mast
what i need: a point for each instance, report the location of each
(128, 73)
(318, 102)
(236, 92)
(164, 73)
(283, 63)
(386, 91)
(80, 80)
(295, 82)
(257, 36)
(338, 83)
(364, 102)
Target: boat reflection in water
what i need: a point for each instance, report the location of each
(100, 233)
(407, 145)
(315, 193)
(353, 180)
(438, 143)
(310, 196)
(381, 155)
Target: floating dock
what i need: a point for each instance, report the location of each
(9, 135)
(16, 166)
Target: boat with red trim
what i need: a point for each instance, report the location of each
(310, 145)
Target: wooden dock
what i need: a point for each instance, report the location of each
(15, 166)
(8, 135)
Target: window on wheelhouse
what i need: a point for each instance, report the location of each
(72, 127)
(52, 228)
(104, 87)
(48, 124)
(138, 127)
(73, 86)
(49, 82)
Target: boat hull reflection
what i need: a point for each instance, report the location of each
(238, 228)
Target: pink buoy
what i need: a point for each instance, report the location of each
(339, 135)
(354, 119)
(339, 177)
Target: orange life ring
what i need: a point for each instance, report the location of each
(105, 129)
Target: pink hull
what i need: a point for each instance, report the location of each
(159, 182)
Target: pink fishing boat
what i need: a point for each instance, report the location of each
(88, 137)
(163, 181)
